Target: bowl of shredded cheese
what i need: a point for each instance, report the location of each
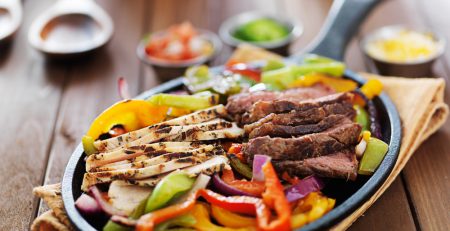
(401, 51)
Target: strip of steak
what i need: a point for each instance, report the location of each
(332, 140)
(275, 130)
(313, 115)
(341, 164)
(240, 103)
(263, 108)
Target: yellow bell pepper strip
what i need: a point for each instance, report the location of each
(240, 204)
(171, 186)
(229, 219)
(311, 208)
(275, 198)
(338, 84)
(190, 102)
(201, 214)
(131, 114)
(183, 221)
(372, 88)
(373, 155)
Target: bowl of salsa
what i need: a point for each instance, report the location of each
(263, 30)
(180, 46)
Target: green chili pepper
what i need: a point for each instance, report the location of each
(240, 167)
(88, 145)
(362, 117)
(373, 155)
(170, 187)
(183, 221)
(191, 102)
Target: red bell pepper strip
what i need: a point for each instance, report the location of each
(239, 204)
(236, 149)
(244, 69)
(274, 197)
(253, 188)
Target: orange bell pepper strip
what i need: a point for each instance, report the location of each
(275, 198)
(338, 84)
(253, 188)
(239, 204)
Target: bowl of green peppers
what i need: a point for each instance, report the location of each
(267, 31)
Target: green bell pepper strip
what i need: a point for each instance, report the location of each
(191, 102)
(88, 145)
(273, 65)
(362, 117)
(278, 79)
(183, 221)
(240, 167)
(282, 78)
(335, 69)
(112, 226)
(170, 187)
(373, 155)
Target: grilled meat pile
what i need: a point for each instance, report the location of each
(305, 131)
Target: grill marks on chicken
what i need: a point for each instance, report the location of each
(148, 154)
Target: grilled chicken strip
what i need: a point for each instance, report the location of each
(209, 167)
(97, 160)
(93, 178)
(193, 118)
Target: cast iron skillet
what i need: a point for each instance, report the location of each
(342, 23)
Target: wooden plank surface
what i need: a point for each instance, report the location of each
(47, 107)
(30, 92)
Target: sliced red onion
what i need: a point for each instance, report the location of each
(226, 189)
(104, 205)
(124, 90)
(258, 162)
(303, 188)
(87, 205)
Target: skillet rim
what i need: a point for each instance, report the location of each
(333, 217)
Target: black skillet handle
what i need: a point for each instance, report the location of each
(341, 24)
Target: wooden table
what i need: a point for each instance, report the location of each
(46, 107)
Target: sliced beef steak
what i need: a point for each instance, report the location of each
(342, 164)
(275, 130)
(240, 103)
(263, 108)
(310, 116)
(340, 136)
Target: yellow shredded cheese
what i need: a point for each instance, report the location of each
(403, 46)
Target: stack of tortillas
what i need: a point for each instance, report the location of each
(420, 103)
